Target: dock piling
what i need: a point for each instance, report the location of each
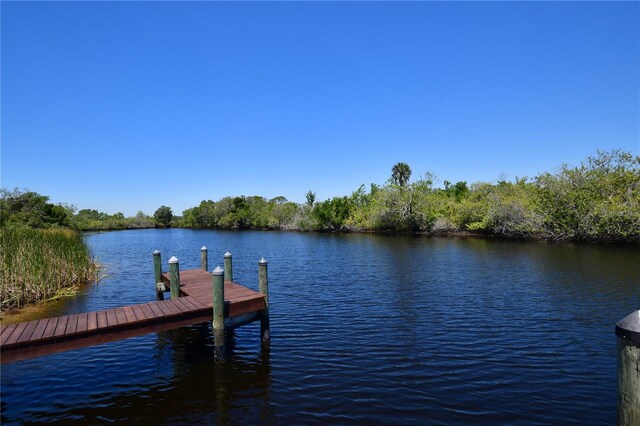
(628, 332)
(174, 277)
(204, 258)
(228, 267)
(218, 313)
(157, 269)
(263, 287)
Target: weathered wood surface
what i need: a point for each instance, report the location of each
(628, 332)
(49, 335)
(240, 300)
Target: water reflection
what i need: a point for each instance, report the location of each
(181, 383)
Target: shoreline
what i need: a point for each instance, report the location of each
(437, 233)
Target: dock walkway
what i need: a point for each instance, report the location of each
(50, 335)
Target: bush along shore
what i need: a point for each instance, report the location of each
(599, 200)
(36, 264)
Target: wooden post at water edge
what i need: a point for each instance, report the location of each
(157, 269)
(217, 279)
(263, 287)
(628, 332)
(228, 267)
(204, 258)
(174, 277)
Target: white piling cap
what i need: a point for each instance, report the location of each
(218, 271)
(628, 328)
(227, 254)
(173, 259)
(156, 252)
(204, 248)
(262, 261)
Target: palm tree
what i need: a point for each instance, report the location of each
(400, 174)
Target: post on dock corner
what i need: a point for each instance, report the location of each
(628, 332)
(263, 287)
(228, 267)
(157, 269)
(217, 278)
(174, 277)
(204, 258)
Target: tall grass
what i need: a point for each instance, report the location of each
(36, 264)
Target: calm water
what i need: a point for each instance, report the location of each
(365, 329)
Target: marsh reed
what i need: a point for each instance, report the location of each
(35, 264)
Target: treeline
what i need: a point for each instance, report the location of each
(599, 200)
(28, 209)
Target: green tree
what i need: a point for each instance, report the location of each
(30, 209)
(311, 197)
(282, 215)
(403, 209)
(163, 216)
(278, 200)
(400, 174)
(332, 215)
(600, 199)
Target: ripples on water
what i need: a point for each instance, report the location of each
(365, 329)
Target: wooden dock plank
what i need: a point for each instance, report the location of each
(51, 327)
(164, 309)
(120, 316)
(15, 335)
(103, 320)
(171, 307)
(181, 304)
(61, 326)
(28, 331)
(139, 313)
(112, 321)
(6, 331)
(92, 321)
(153, 306)
(128, 313)
(82, 322)
(252, 305)
(40, 328)
(190, 301)
(72, 324)
(175, 306)
(147, 311)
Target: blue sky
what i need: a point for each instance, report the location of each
(125, 106)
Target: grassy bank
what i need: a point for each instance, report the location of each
(36, 264)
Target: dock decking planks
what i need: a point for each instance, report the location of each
(49, 335)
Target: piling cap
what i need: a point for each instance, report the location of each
(156, 252)
(262, 261)
(203, 248)
(173, 259)
(629, 327)
(227, 254)
(218, 271)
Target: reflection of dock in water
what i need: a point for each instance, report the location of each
(197, 296)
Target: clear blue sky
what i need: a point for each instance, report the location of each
(123, 106)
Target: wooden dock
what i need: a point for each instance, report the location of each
(195, 305)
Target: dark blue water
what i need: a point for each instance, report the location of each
(365, 329)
